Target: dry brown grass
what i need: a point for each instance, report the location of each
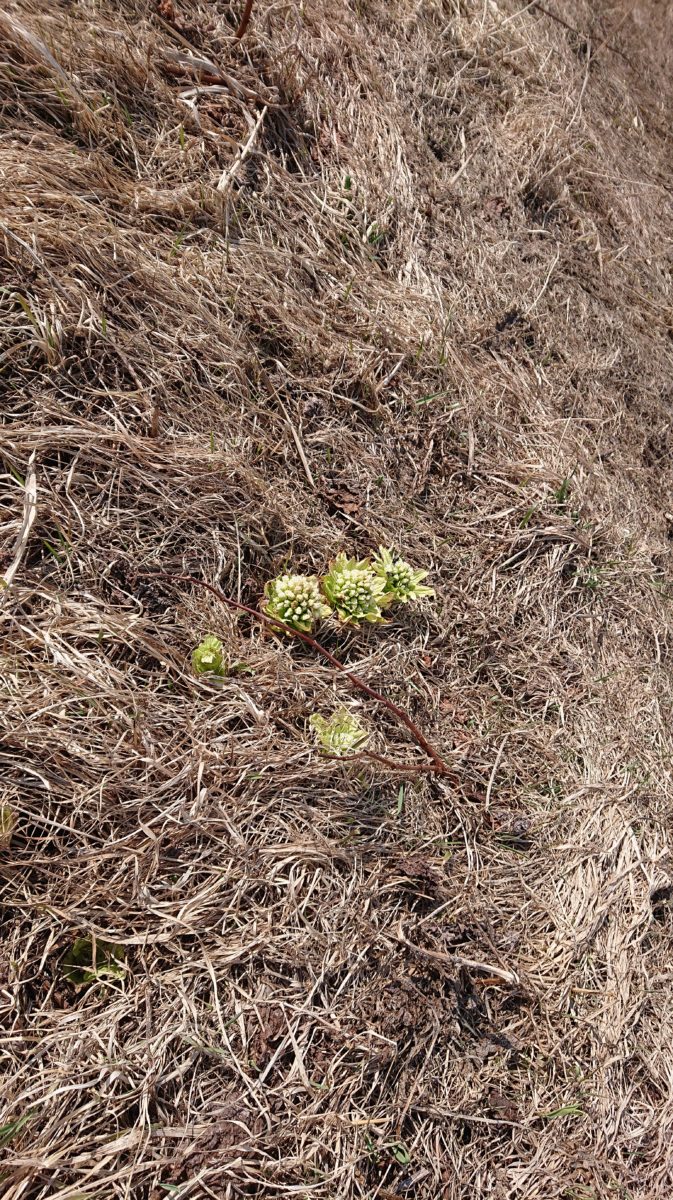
(380, 272)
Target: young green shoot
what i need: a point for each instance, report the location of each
(341, 735)
(296, 601)
(88, 961)
(208, 658)
(7, 823)
(401, 581)
(356, 591)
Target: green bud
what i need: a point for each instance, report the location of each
(400, 579)
(341, 735)
(208, 658)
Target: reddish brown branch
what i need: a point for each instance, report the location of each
(245, 19)
(438, 765)
(536, 6)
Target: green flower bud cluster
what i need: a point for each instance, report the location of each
(355, 591)
(296, 600)
(401, 580)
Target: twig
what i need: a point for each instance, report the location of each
(227, 177)
(371, 755)
(440, 767)
(297, 441)
(457, 960)
(416, 768)
(494, 772)
(237, 89)
(245, 19)
(29, 513)
(571, 28)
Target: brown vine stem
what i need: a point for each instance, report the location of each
(536, 6)
(245, 19)
(439, 766)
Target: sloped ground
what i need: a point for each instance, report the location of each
(429, 304)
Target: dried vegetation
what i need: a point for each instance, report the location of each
(379, 272)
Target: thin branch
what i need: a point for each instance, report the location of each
(457, 960)
(372, 756)
(536, 6)
(227, 177)
(439, 766)
(245, 19)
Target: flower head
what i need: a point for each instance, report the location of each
(341, 735)
(208, 658)
(295, 600)
(400, 578)
(355, 590)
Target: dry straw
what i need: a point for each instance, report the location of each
(429, 307)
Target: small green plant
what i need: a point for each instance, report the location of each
(296, 601)
(562, 492)
(356, 591)
(590, 579)
(401, 581)
(400, 1154)
(342, 734)
(208, 658)
(89, 961)
(10, 1130)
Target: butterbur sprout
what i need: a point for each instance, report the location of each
(341, 735)
(91, 960)
(401, 580)
(208, 658)
(355, 591)
(296, 601)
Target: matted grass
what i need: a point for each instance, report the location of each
(377, 273)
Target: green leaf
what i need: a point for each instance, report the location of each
(562, 491)
(8, 1131)
(434, 396)
(568, 1110)
(341, 735)
(208, 658)
(400, 1154)
(83, 964)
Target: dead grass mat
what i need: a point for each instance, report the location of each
(377, 272)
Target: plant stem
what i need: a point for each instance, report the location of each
(245, 19)
(439, 766)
